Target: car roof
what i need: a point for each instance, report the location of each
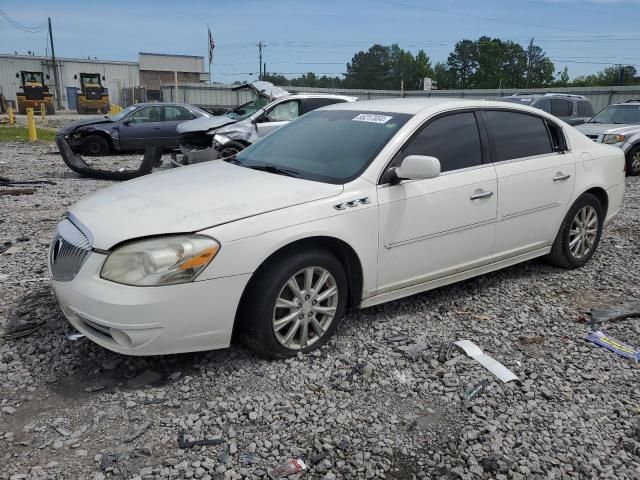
(414, 105)
(348, 98)
(162, 104)
(548, 95)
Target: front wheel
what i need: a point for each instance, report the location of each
(633, 161)
(579, 234)
(295, 304)
(230, 150)
(95, 146)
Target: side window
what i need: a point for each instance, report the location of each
(172, 114)
(558, 142)
(561, 108)
(544, 104)
(454, 140)
(146, 115)
(284, 112)
(310, 104)
(517, 135)
(585, 109)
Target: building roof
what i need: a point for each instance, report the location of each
(170, 55)
(66, 59)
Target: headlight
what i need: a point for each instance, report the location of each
(613, 138)
(160, 261)
(220, 139)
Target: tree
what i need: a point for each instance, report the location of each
(563, 78)
(443, 76)
(370, 69)
(540, 68)
(463, 63)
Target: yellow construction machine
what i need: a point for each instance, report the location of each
(34, 92)
(92, 97)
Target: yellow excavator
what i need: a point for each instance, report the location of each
(34, 92)
(93, 97)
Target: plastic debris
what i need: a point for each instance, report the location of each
(398, 337)
(290, 467)
(474, 391)
(619, 312)
(182, 443)
(248, 458)
(495, 367)
(318, 457)
(603, 340)
(75, 336)
(414, 350)
(108, 459)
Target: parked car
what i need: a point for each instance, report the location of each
(573, 109)
(351, 205)
(209, 138)
(619, 125)
(134, 128)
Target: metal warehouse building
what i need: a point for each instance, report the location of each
(123, 79)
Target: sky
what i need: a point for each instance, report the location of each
(323, 35)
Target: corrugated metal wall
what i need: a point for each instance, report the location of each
(224, 96)
(118, 74)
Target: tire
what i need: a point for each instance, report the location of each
(95, 146)
(104, 110)
(633, 161)
(230, 150)
(567, 250)
(271, 284)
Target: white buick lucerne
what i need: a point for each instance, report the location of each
(348, 206)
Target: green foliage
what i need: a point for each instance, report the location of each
(485, 63)
(12, 134)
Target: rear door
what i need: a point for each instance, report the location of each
(277, 116)
(142, 128)
(536, 176)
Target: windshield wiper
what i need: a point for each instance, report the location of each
(274, 169)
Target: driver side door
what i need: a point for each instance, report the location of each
(433, 228)
(142, 128)
(277, 116)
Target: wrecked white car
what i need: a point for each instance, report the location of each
(223, 136)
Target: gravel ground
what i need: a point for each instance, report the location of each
(358, 408)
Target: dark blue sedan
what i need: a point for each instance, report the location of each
(133, 129)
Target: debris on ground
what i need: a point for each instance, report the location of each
(290, 467)
(602, 339)
(317, 457)
(17, 191)
(618, 312)
(474, 391)
(495, 367)
(108, 459)
(4, 182)
(413, 350)
(74, 336)
(143, 428)
(531, 340)
(397, 337)
(182, 443)
(21, 327)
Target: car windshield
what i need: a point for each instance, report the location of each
(520, 100)
(120, 115)
(332, 146)
(621, 114)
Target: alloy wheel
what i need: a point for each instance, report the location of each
(305, 308)
(584, 231)
(228, 152)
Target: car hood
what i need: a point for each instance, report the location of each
(204, 124)
(189, 199)
(71, 126)
(602, 128)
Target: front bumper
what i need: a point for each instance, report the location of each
(150, 320)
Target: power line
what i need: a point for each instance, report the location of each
(22, 27)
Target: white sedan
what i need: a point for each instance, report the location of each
(351, 205)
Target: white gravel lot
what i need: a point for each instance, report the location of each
(358, 408)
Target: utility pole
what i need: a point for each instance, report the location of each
(529, 62)
(56, 77)
(260, 47)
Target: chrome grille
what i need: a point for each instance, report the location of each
(68, 251)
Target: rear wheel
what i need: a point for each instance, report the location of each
(295, 304)
(579, 234)
(95, 145)
(633, 161)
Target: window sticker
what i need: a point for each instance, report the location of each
(372, 118)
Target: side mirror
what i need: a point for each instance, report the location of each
(418, 167)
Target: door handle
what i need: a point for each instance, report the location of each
(478, 194)
(561, 177)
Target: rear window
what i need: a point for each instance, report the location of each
(520, 100)
(311, 104)
(585, 109)
(561, 108)
(517, 135)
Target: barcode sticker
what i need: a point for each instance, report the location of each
(372, 118)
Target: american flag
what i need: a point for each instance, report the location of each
(212, 45)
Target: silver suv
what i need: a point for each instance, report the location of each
(573, 109)
(618, 125)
